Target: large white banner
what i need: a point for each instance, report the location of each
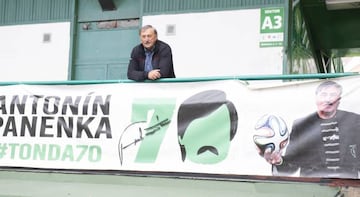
(198, 127)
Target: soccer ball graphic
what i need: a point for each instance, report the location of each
(270, 132)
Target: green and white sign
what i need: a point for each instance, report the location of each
(272, 27)
(219, 127)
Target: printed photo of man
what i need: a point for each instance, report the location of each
(323, 144)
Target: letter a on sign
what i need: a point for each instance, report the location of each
(272, 27)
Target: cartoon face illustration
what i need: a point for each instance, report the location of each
(207, 123)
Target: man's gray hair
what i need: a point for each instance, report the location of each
(146, 27)
(327, 84)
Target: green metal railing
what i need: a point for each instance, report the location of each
(192, 79)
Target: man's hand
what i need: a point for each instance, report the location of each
(273, 157)
(154, 74)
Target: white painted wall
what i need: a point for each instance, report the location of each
(25, 57)
(222, 43)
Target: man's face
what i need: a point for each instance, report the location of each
(148, 38)
(327, 101)
(207, 139)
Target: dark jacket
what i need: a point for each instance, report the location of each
(162, 59)
(306, 150)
